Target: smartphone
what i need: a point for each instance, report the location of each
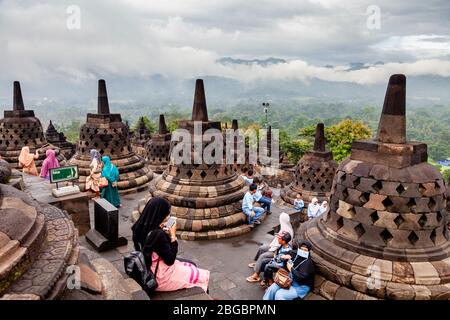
(171, 222)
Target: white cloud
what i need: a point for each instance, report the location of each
(184, 38)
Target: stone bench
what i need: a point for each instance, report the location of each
(195, 293)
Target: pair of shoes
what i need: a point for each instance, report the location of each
(252, 225)
(252, 280)
(252, 265)
(257, 222)
(268, 213)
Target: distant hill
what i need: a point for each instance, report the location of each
(264, 63)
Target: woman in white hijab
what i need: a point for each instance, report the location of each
(266, 252)
(314, 208)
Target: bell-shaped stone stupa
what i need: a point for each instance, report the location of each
(314, 173)
(385, 235)
(20, 128)
(105, 132)
(158, 148)
(206, 198)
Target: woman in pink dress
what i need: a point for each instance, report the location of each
(50, 162)
(160, 247)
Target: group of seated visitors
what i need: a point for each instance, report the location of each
(256, 193)
(301, 271)
(159, 245)
(290, 255)
(267, 252)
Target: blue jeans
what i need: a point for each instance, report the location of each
(265, 202)
(274, 292)
(258, 213)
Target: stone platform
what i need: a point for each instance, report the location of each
(76, 205)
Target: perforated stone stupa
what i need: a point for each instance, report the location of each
(385, 235)
(59, 140)
(107, 133)
(37, 243)
(206, 198)
(158, 148)
(20, 128)
(140, 138)
(314, 172)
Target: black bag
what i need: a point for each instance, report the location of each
(136, 269)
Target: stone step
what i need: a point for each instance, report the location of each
(114, 285)
(8, 249)
(10, 256)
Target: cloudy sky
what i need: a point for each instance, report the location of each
(185, 38)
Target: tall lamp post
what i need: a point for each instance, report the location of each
(266, 111)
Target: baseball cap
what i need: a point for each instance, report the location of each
(285, 236)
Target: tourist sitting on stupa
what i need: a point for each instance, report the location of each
(324, 207)
(247, 176)
(313, 208)
(108, 185)
(299, 204)
(267, 251)
(265, 202)
(253, 213)
(160, 247)
(50, 162)
(302, 271)
(93, 180)
(279, 260)
(26, 161)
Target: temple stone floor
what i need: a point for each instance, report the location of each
(227, 259)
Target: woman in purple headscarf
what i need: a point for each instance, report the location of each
(92, 181)
(50, 162)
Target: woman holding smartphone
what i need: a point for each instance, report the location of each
(155, 232)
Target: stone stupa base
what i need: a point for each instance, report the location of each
(158, 168)
(34, 267)
(134, 174)
(289, 194)
(202, 213)
(356, 276)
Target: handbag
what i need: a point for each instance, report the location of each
(103, 182)
(268, 193)
(136, 268)
(282, 279)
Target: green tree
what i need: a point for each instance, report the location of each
(71, 131)
(341, 136)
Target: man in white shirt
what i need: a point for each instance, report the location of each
(253, 213)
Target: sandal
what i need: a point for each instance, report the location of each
(252, 279)
(252, 265)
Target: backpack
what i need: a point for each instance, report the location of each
(136, 268)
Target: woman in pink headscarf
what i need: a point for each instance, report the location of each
(50, 162)
(26, 161)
